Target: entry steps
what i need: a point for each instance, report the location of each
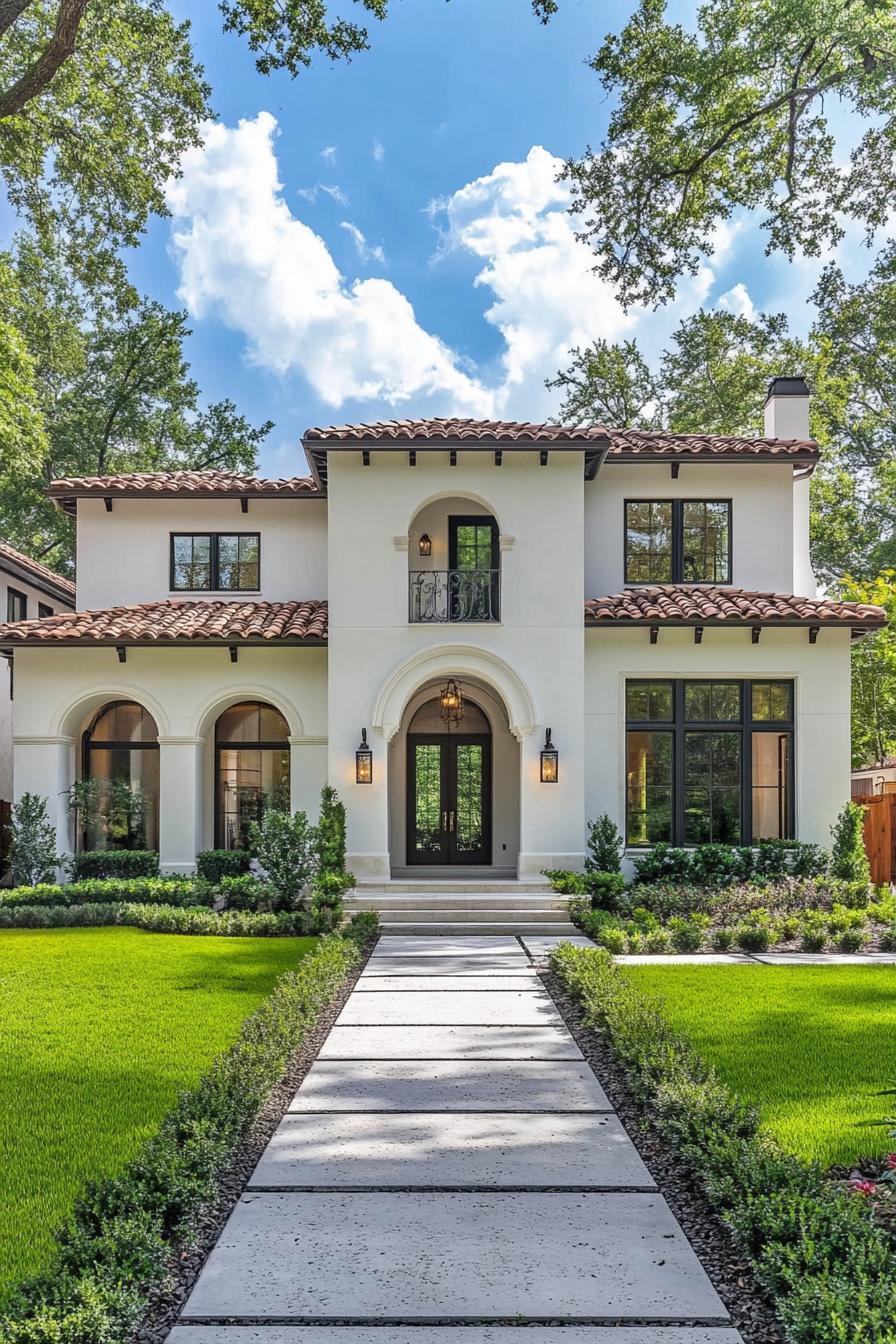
(463, 906)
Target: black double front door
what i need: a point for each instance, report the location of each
(449, 799)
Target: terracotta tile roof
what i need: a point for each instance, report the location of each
(622, 442)
(682, 605)
(217, 622)
(39, 574)
(200, 484)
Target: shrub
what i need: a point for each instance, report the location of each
(657, 941)
(613, 939)
(848, 857)
(327, 890)
(214, 864)
(115, 863)
(814, 932)
(722, 940)
(285, 848)
(786, 928)
(32, 842)
(243, 892)
(718, 865)
(851, 940)
(605, 846)
(126, 1229)
(605, 888)
(888, 939)
(815, 1249)
(566, 882)
(663, 864)
(843, 917)
(645, 921)
(103, 891)
(687, 934)
(330, 832)
(754, 935)
(362, 927)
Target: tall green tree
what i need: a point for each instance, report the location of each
(741, 110)
(874, 674)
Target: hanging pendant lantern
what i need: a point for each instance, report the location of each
(451, 702)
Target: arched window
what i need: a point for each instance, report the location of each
(118, 802)
(251, 769)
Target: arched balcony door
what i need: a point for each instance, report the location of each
(449, 774)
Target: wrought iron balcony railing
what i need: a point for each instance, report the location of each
(438, 595)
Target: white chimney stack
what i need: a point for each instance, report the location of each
(787, 409)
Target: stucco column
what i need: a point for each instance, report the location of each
(180, 802)
(552, 820)
(366, 805)
(307, 773)
(46, 766)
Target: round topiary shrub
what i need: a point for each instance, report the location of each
(753, 937)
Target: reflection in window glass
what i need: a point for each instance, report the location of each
(771, 786)
(192, 563)
(121, 759)
(427, 797)
(648, 541)
(469, 829)
(649, 701)
(237, 563)
(648, 776)
(771, 701)
(712, 701)
(705, 541)
(712, 788)
(253, 769)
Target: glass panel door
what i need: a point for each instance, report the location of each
(449, 799)
(468, 837)
(427, 804)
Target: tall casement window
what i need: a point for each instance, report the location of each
(678, 541)
(118, 796)
(251, 769)
(215, 562)
(708, 761)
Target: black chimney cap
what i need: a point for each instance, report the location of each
(787, 387)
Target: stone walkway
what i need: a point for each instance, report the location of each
(451, 1170)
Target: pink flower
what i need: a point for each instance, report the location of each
(863, 1187)
(891, 1161)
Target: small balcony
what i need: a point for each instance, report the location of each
(437, 596)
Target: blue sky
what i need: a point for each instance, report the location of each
(384, 238)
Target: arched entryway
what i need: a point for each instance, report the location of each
(454, 784)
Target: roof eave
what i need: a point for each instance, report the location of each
(806, 460)
(857, 628)
(295, 641)
(57, 592)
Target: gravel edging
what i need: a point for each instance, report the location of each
(752, 1313)
(166, 1303)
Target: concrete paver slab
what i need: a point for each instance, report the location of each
(450, 1085)
(458, 1334)
(524, 1008)
(425, 1256)
(453, 964)
(451, 1149)
(397, 945)
(410, 984)
(541, 945)
(472, 1042)
(683, 959)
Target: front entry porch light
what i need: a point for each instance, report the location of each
(550, 760)
(451, 702)
(425, 544)
(363, 761)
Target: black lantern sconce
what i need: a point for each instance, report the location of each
(364, 761)
(425, 544)
(550, 760)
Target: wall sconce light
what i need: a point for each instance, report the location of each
(550, 760)
(425, 544)
(363, 761)
(451, 702)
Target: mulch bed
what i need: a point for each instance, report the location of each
(167, 1302)
(751, 1311)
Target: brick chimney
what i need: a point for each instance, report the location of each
(787, 409)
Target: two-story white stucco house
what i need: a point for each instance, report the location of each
(644, 599)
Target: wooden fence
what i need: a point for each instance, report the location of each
(880, 834)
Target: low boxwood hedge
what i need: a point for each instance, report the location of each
(814, 1248)
(145, 890)
(115, 863)
(125, 1230)
(171, 919)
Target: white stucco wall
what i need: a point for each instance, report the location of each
(821, 673)
(762, 519)
(57, 690)
(538, 643)
(123, 556)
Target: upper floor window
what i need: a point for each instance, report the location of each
(228, 562)
(678, 541)
(16, 605)
(43, 609)
(469, 590)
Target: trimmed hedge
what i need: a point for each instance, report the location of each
(813, 1248)
(145, 890)
(125, 1230)
(165, 919)
(115, 863)
(213, 864)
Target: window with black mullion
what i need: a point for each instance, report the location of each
(215, 561)
(677, 541)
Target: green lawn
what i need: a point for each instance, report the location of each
(810, 1045)
(99, 1031)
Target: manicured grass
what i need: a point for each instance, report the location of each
(810, 1045)
(99, 1031)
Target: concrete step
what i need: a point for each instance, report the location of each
(461, 887)
(515, 928)
(488, 915)
(424, 900)
(455, 872)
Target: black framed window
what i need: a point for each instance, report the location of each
(709, 761)
(251, 770)
(16, 605)
(220, 562)
(44, 610)
(677, 541)
(120, 755)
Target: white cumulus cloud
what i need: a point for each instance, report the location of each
(365, 250)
